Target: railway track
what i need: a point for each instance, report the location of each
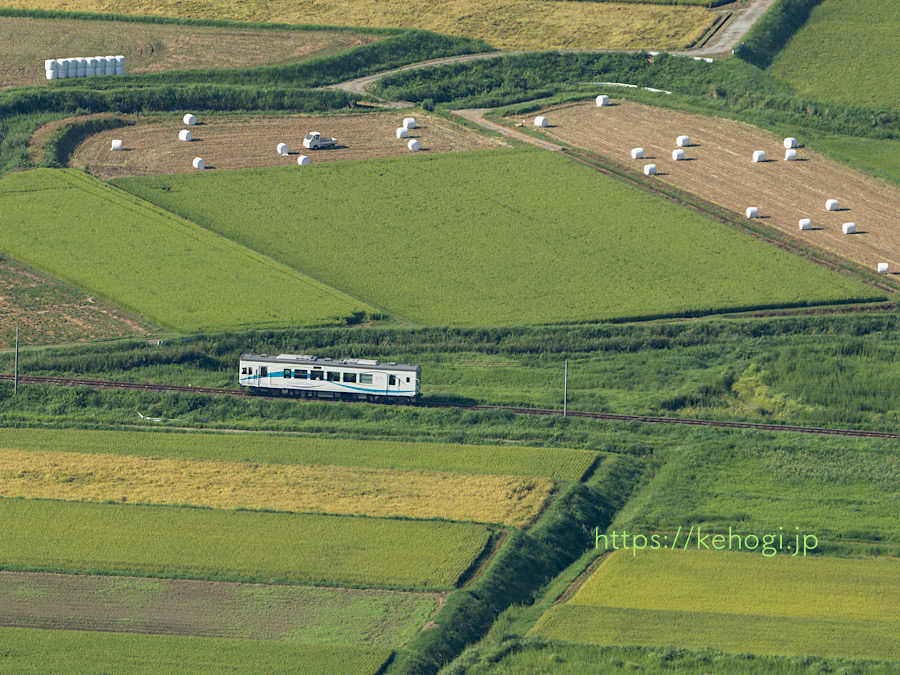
(161, 388)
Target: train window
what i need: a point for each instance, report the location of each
(392, 379)
(365, 378)
(287, 373)
(316, 375)
(300, 374)
(407, 379)
(244, 370)
(334, 377)
(263, 371)
(349, 377)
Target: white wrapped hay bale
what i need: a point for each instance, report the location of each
(51, 64)
(790, 155)
(678, 155)
(649, 169)
(185, 135)
(805, 224)
(602, 100)
(90, 67)
(637, 153)
(110, 65)
(540, 121)
(832, 205)
(120, 65)
(759, 156)
(409, 123)
(753, 212)
(199, 163)
(101, 65)
(413, 145)
(81, 66)
(402, 132)
(282, 149)
(62, 68)
(790, 143)
(849, 228)
(302, 160)
(189, 119)
(882, 268)
(116, 144)
(683, 141)
(52, 74)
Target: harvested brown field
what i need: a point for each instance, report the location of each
(506, 24)
(211, 609)
(720, 170)
(49, 311)
(248, 141)
(149, 48)
(72, 476)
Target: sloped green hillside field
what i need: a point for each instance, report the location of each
(151, 262)
(494, 238)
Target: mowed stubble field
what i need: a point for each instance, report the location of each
(506, 24)
(244, 141)
(304, 614)
(150, 48)
(720, 169)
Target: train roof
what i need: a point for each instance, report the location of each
(305, 359)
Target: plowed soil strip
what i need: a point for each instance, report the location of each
(719, 168)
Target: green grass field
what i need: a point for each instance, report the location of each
(883, 155)
(551, 242)
(237, 545)
(559, 463)
(151, 262)
(764, 482)
(26, 651)
(736, 602)
(844, 54)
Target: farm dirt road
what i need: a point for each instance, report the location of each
(720, 170)
(248, 141)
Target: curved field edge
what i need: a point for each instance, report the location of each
(28, 650)
(551, 242)
(192, 543)
(153, 263)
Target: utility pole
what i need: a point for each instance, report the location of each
(565, 390)
(16, 376)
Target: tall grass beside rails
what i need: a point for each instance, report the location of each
(561, 464)
(192, 543)
(698, 3)
(153, 263)
(827, 371)
(516, 655)
(774, 30)
(61, 144)
(518, 570)
(28, 650)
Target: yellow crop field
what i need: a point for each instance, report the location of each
(73, 476)
(506, 24)
(741, 602)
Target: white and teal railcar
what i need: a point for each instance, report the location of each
(314, 377)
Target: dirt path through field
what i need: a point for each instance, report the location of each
(719, 168)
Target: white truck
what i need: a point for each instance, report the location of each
(314, 141)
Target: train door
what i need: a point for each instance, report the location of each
(394, 383)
